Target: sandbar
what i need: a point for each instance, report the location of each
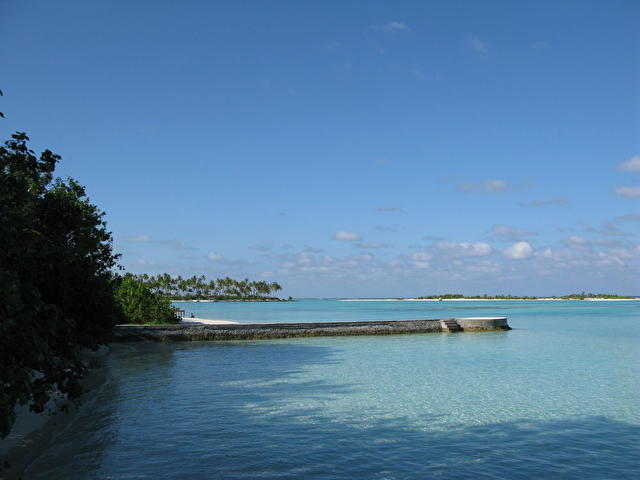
(205, 321)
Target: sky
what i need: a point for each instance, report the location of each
(345, 149)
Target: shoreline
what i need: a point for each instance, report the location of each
(206, 321)
(546, 299)
(256, 300)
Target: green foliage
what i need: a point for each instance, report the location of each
(56, 281)
(141, 305)
(583, 296)
(446, 296)
(575, 296)
(198, 288)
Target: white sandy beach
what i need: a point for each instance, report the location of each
(205, 321)
(194, 301)
(611, 299)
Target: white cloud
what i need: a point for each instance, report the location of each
(478, 45)
(495, 186)
(546, 253)
(393, 27)
(551, 202)
(463, 265)
(174, 244)
(488, 186)
(628, 192)
(514, 233)
(260, 248)
(421, 256)
(387, 228)
(582, 242)
(421, 259)
(576, 241)
(631, 165)
(389, 209)
(419, 264)
(145, 263)
(485, 266)
(607, 228)
(305, 257)
(372, 245)
(383, 161)
(463, 249)
(347, 237)
(139, 238)
(632, 217)
(214, 256)
(432, 238)
(518, 251)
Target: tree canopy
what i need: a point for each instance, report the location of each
(56, 280)
(199, 288)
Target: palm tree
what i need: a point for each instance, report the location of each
(275, 287)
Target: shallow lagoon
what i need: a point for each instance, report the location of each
(556, 397)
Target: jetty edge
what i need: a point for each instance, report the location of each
(257, 331)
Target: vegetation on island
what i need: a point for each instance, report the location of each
(573, 296)
(141, 305)
(586, 296)
(199, 288)
(457, 296)
(56, 281)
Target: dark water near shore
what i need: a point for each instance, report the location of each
(557, 397)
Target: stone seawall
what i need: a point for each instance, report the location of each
(475, 324)
(162, 333)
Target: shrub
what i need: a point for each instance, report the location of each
(141, 305)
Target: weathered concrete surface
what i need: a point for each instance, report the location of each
(159, 333)
(471, 324)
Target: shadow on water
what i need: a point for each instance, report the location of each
(231, 426)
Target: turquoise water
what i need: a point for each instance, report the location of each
(557, 397)
(341, 311)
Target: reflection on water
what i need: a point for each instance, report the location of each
(556, 397)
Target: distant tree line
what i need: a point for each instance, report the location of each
(199, 288)
(453, 296)
(582, 296)
(573, 296)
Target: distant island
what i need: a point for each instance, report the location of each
(573, 296)
(221, 289)
(460, 297)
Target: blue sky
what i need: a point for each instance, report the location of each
(345, 148)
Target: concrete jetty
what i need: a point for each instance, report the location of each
(255, 331)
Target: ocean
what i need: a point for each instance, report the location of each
(556, 397)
